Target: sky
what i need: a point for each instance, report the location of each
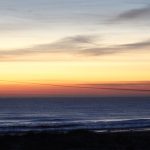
(74, 47)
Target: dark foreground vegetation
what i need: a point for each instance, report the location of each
(77, 140)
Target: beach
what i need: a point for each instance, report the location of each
(76, 140)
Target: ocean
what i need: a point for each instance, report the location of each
(74, 113)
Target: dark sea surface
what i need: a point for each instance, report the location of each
(71, 113)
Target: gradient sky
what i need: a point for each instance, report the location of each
(74, 47)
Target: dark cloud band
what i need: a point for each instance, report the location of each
(133, 14)
(81, 44)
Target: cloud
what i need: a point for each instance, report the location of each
(138, 45)
(136, 86)
(65, 45)
(134, 14)
(73, 43)
(117, 48)
(85, 45)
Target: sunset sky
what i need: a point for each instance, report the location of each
(74, 47)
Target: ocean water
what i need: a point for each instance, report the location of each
(64, 114)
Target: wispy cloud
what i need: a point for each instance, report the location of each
(136, 86)
(79, 45)
(133, 14)
(117, 48)
(65, 45)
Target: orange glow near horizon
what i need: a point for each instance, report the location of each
(74, 90)
(38, 78)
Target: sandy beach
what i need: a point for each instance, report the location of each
(77, 140)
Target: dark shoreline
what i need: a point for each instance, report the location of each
(77, 140)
